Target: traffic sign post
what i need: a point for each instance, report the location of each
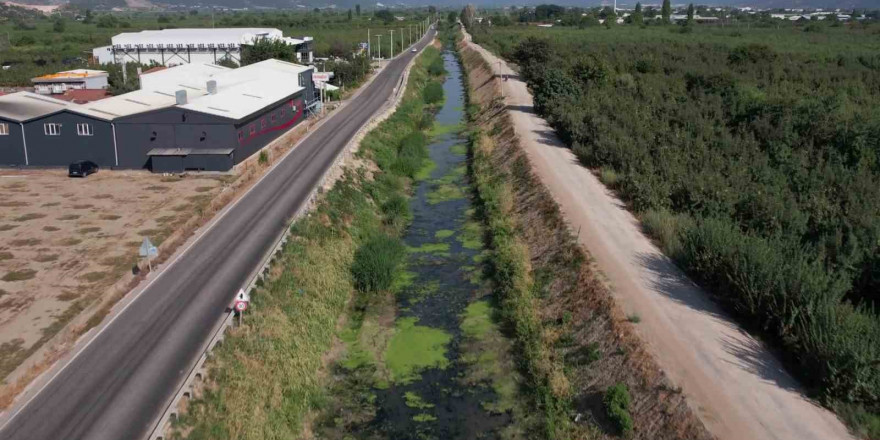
(148, 251)
(241, 304)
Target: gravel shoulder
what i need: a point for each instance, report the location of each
(737, 387)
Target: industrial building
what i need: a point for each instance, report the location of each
(170, 47)
(190, 117)
(79, 79)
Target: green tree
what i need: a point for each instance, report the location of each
(468, 14)
(163, 19)
(666, 11)
(59, 25)
(349, 15)
(451, 16)
(690, 13)
(636, 18)
(265, 49)
(89, 18)
(384, 15)
(227, 62)
(357, 10)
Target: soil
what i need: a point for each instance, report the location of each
(74, 238)
(734, 383)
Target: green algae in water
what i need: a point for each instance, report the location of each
(421, 418)
(477, 320)
(414, 348)
(441, 129)
(425, 172)
(444, 233)
(458, 149)
(413, 400)
(445, 192)
(471, 236)
(403, 279)
(431, 248)
(486, 352)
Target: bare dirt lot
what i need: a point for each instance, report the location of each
(64, 242)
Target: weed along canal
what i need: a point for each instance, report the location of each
(426, 359)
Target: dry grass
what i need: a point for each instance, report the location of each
(29, 216)
(19, 275)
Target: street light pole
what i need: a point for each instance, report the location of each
(392, 45)
(379, 46)
(369, 51)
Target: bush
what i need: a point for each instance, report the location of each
(617, 407)
(411, 154)
(375, 263)
(263, 158)
(396, 211)
(436, 67)
(433, 93)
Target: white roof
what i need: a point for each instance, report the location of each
(23, 106)
(177, 77)
(240, 92)
(248, 89)
(196, 36)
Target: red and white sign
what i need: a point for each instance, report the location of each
(241, 305)
(322, 76)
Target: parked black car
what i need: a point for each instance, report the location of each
(82, 168)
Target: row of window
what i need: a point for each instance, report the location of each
(252, 129)
(54, 129)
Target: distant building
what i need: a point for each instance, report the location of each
(79, 79)
(171, 47)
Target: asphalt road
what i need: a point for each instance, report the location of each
(116, 387)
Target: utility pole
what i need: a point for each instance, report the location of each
(410, 35)
(369, 51)
(392, 45)
(379, 46)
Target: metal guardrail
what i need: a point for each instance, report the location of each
(197, 373)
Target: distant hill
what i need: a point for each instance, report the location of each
(365, 5)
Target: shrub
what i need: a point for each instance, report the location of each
(396, 211)
(433, 93)
(264, 158)
(617, 407)
(411, 153)
(375, 263)
(436, 67)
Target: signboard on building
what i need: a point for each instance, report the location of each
(322, 76)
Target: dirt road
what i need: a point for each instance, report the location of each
(736, 386)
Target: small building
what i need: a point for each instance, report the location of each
(79, 79)
(171, 47)
(41, 131)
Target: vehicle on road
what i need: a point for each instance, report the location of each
(413, 50)
(82, 168)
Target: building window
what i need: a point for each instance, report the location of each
(282, 112)
(253, 129)
(240, 135)
(274, 118)
(262, 123)
(4, 129)
(84, 130)
(52, 129)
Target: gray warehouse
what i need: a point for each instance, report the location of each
(195, 116)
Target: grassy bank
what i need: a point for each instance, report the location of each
(586, 369)
(267, 377)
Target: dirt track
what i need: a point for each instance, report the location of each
(736, 386)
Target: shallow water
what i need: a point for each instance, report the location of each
(441, 290)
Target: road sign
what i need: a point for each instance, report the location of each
(147, 249)
(241, 305)
(242, 296)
